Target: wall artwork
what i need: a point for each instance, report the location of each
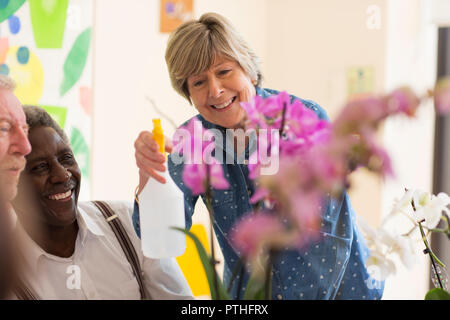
(45, 46)
(174, 13)
(360, 79)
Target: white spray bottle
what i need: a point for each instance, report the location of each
(161, 207)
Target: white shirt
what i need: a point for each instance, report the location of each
(99, 269)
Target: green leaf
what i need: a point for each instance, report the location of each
(59, 114)
(80, 150)
(11, 7)
(209, 270)
(75, 61)
(437, 294)
(48, 19)
(255, 289)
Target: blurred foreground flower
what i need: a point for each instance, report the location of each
(201, 169)
(442, 96)
(315, 158)
(403, 100)
(255, 234)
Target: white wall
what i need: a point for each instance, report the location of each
(312, 46)
(128, 66)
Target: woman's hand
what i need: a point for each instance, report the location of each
(148, 159)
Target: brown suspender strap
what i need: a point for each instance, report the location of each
(124, 240)
(23, 292)
(21, 288)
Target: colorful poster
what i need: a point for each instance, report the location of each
(45, 46)
(360, 80)
(174, 13)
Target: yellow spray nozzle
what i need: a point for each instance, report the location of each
(158, 134)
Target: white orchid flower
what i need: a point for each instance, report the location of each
(387, 240)
(406, 249)
(370, 234)
(430, 208)
(403, 204)
(403, 246)
(379, 267)
(383, 244)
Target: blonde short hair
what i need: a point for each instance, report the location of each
(7, 82)
(194, 45)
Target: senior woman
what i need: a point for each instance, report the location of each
(214, 69)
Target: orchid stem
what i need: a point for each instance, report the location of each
(283, 120)
(268, 286)
(240, 282)
(208, 196)
(425, 241)
(433, 258)
(438, 230)
(236, 269)
(410, 231)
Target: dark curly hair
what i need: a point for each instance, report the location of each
(37, 117)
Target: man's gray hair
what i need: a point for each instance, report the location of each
(38, 117)
(7, 82)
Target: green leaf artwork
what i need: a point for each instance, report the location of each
(75, 61)
(58, 114)
(48, 19)
(81, 151)
(8, 8)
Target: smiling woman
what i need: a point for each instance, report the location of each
(213, 67)
(217, 92)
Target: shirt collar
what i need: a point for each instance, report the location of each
(33, 252)
(87, 223)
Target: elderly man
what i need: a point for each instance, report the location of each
(14, 146)
(80, 250)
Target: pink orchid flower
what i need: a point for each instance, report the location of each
(201, 169)
(256, 231)
(360, 112)
(403, 100)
